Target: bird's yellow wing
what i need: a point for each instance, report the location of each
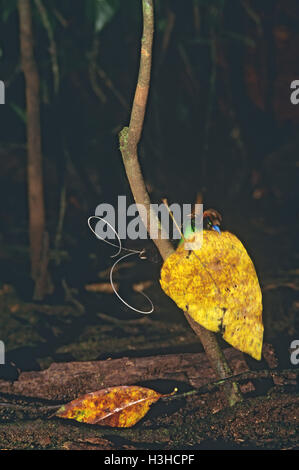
(218, 286)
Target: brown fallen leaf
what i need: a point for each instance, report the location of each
(121, 406)
(105, 274)
(102, 287)
(141, 286)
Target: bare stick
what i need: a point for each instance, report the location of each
(285, 374)
(129, 139)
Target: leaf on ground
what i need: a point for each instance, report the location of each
(121, 406)
(102, 287)
(218, 286)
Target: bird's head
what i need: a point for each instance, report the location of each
(212, 220)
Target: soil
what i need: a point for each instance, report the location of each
(85, 339)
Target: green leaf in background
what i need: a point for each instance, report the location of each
(20, 112)
(7, 7)
(100, 12)
(239, 37)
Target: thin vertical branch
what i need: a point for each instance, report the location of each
(53, 50)
(210, 107)
(170, 22)
(92, 71)
(130, 136)
(34, 163)
(129, 139)
(196, 15)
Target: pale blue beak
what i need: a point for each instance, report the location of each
(216, 228)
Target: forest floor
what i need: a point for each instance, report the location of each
(86, 339)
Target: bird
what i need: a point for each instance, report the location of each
(211, 220)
